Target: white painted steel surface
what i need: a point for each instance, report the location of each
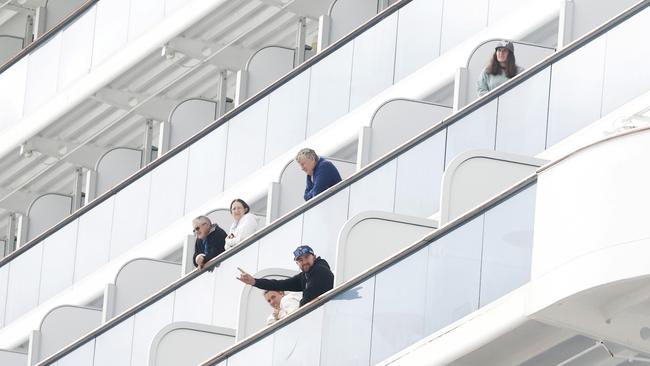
(370, 237)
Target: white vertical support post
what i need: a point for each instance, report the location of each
(34, 348)
(29, 30)
(381, 5)
(91, 186)
(187, 263)
(299, 56)
(21, 232)
(39, 22)
(77, 189)
(221, 93)
(108, 305)
(148, 142)
(241, 87)
(460, 89)
(163, 138)
(273, 202)
(10, 245)
(324, 23)
(363, 149)
(565, 30)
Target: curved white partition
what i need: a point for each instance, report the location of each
(189, 117)
(44, 212)
(12, 358)
(187, 344)
(345, 15)
(288, 192)
(372, 236)
(395, 122)
(476, 176)
(263, 67)
(114, 166)
(526, 54)
(253, 309)
(59, 327)
(135, 281)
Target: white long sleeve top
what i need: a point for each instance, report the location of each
(290, 302)
(241, 230)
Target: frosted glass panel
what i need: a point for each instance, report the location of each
(12, 93)
(475, 131)
(374, 61)
(24, 282)
(507, 246)
(453, 275)
(58, 261)
(172, 5)
(42, 74)
(77, 47)
(251, 355)
(167, 198)
(521, 127)
(93, 241)
(193, 301)
(323, 223)
(374, 192)
(576, 91)
(414, 49)
(246, 139)
(287, 116)
(205, 169)
(82, 356)
(114, 347)
(277, 247)
(626, 69)
(461, 19)
(295, 346)
(329, 93)
(130, 216)
(397, 324)
(348, 313)
(111, 28)
(419, 175)
(147, 324)
(4, 278)
(226, 308)
(144, 15)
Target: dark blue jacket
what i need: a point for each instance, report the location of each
(325, 175)
(216, 241)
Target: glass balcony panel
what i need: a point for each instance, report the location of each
(93, 239)
(329, 89)
(399, 311)
(507, 246)
(521, 127)
(373, 62)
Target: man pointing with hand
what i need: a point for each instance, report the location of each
(315, 277)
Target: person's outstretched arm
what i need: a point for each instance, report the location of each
(289, 284)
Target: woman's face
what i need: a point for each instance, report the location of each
(237, 210)
(502, 54)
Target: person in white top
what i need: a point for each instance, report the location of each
(282, 304)
(244, 225)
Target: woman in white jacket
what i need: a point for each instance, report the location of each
(244, 225)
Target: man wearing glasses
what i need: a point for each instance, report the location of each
(210, 240)
(315, 277)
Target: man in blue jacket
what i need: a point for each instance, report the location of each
(321, 173)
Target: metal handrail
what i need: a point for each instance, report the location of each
(214, 125)
(385, 159)
(47, 35)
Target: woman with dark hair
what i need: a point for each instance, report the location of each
(502, 67)
(244, 225)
